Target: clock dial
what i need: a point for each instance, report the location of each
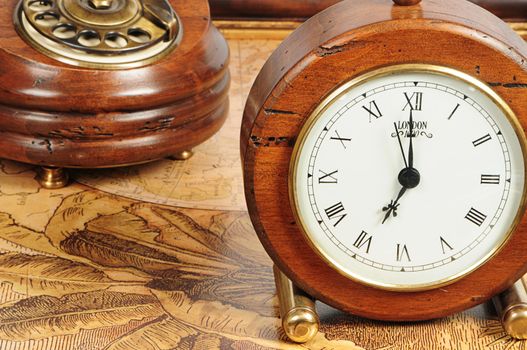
(409, 178)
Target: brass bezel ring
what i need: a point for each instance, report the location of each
(376, 73)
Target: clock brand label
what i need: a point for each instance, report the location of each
(419, 128)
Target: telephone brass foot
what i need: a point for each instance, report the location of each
(300, 320)
(183, 155)
(52, 178)
(511, 306)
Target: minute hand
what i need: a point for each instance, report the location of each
(411, 148)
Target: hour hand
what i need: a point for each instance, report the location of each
(391, 209)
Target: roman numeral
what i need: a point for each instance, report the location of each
(490, 179)
(342, 140)
(476, 217)
(415, 101)
(445, 245)
(364, 239)
(327, 178)
(481, 140)
(337, 213)
(454, 111)
(373, 110)
(402, 251)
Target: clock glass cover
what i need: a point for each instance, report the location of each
(409, 177)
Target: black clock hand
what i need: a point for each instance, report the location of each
(409, 177)
(392, 207)
(411, 148)
(400, 144)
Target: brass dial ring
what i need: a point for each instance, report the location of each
(99, 33)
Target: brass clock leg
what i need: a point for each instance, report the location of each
(297, 310)
(511, 306)
(183, 155)
(52, 178)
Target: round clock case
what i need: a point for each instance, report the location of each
(336, 46)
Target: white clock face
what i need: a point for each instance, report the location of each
(409, 208)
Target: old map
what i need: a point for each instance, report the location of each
(209, 180)
(163, 256)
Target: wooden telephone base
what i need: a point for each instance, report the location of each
(107, 84)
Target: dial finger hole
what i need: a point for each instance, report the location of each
(65, 31)
(47, 19)
(40, 5)
(115, 40)
(89, 38)
(139, 35)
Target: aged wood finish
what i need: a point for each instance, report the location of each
(513, 10)
(329, 49)
(56, 114)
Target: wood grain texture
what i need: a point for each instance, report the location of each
(330, 49)
(512, 10)
(55, 114)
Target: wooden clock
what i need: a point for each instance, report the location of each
(383, 151)
(104, 83)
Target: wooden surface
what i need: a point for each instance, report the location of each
(512, 10)
(57, 114)
(337, 46)
(134, 267)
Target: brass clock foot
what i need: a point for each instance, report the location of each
(511, 306)
(52, 178)
(297, 310)
(183, 155)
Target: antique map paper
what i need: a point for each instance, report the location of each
(163, 256)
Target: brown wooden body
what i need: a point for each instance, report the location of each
(511, 10)
(336, 46)
(57, 114)
(268, 8)
(294, 9)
